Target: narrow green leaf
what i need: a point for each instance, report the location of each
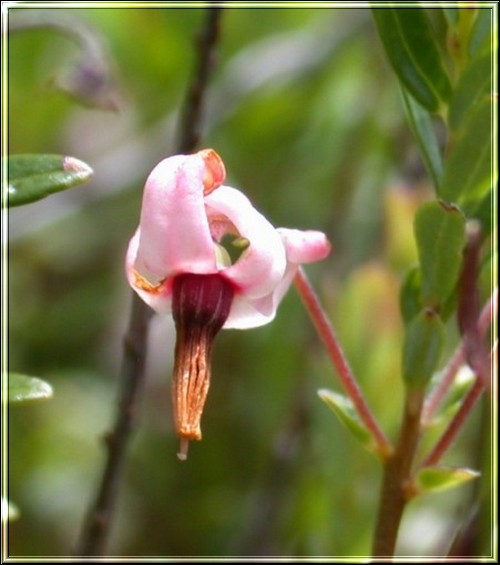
(423, 130)
(22, 388)
(475, 86)
(33, 177)
(468, 173)
(434, 479)
(440, 236)
(343, 408)
(414, 54)
(423, 343)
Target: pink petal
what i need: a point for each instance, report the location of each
(262, 265)
(247, 314)
(301, 247)
(159, 298)
(304, 246)
(175, 235)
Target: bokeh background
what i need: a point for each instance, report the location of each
(307, 116)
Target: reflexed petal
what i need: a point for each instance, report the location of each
(301, 247)
(304, 246)
(247, 314)
(260, 311)
(261, 266)
(175, 235)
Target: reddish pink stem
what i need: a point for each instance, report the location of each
(334, 350)
(456, 361)
(455, 425)
(437, 395)
(468, 403)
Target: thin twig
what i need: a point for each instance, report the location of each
(98, 523)
(468, 311)
(190, 125)
(332, 345)
(89, 79)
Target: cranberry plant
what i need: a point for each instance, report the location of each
(389, 324)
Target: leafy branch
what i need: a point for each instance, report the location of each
(450, 233)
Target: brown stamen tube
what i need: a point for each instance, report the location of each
(200, 306)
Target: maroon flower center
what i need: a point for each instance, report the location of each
(200, 306)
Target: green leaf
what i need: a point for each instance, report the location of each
(22, 388)
(468, 173)
(344, 409)
(434, 479)
(410, 298)
(33, 177)
(440, 236)
(423, 130)
(414, 54)
(475, 86)
(423, 343)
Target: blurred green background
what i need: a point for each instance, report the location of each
(307, 116)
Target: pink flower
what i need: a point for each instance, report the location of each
(177, 262)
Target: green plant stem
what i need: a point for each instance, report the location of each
(97, 526)
(397, 470)
(339, 361)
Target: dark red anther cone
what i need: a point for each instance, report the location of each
(200, 306)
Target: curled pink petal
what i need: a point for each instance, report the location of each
(261, 266)
(159, 296)
(175, 235)
(304, 246)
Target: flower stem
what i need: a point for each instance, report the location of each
(334, 350)
(97, 526)
(191, 119)
(394, 498)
